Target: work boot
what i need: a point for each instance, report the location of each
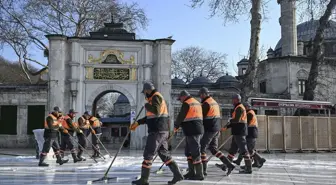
(198, 172)
(42, 158)
(61, 161)
(191, 170)
(176, 172)
(205, 166)
(75, 158)
(227, 165)
(144, 177)
(94, 154)
(258, 160)
(238, 160)
(248, 167)
(79, 155)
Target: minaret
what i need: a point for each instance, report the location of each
(288, 27)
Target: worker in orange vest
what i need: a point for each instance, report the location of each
(157, 140)
(251, 138)
(95, 128)
(51, 127)
(190, 119)
(84, 126)
(238, 125)
(212, 127)
(68, 133)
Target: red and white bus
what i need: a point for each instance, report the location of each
(287, 107)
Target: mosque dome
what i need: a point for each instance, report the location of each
(227, 81)
(122, 99)
(307, 30)
(200, 82)
(177, 82)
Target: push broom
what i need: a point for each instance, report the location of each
(105, 178)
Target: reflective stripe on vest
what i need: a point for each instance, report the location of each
(85, 124)
(55, 123)
(253, 122)
(243, 117)
(163, 109)
(96, 122)
(214, 111)
(195, 110)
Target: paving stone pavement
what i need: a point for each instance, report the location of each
(307, 168)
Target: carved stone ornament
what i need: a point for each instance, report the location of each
(111, 57)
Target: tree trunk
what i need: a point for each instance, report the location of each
(249, 77)
(318, 54)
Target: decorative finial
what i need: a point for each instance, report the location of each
(112, 21)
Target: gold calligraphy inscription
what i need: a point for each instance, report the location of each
(104, 54)
(111, 74)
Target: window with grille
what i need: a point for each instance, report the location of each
(35, 118)
(302, 86)
(8, 119)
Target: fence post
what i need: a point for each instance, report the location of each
(315, 135)
(329, 134)
(300, 134)
(284, 133)
(268, 135)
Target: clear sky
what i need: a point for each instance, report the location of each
(193, 27)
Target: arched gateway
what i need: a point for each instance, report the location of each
(111, 59)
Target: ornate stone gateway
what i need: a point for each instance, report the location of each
(111, 59)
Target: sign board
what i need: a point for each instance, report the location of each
(132, 117)
(290, 104)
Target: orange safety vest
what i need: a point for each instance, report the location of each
(163, 109)
(195, 110)
(96, 122)
(55, 123)
(243, 118)
(214, 111)
(86, 123)
(253, 122)
(65, 124)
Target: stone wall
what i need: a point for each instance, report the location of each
(21, 96)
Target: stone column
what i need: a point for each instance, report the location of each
(57, 59)
(288, 27)
(148, 62)
(22, 122)
(162, 71)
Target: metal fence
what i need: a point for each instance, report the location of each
(295, 133)
(289, 133)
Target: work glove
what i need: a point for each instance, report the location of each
(93, 132)
(134, 126)
(65, 131)
(176, 130)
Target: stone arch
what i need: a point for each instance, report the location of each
(109, 87)
(302, 74)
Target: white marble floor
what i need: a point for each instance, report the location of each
(308, 168)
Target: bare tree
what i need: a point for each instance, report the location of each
(232, 11)
(191, 62)
(11, 73)
(105, 105)
(24, 23)
(317, 54)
